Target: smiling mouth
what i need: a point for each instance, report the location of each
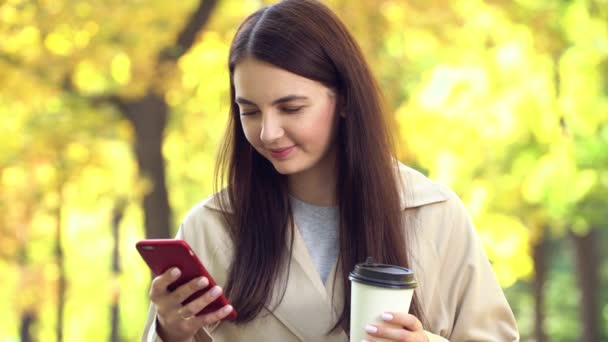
(280, 153)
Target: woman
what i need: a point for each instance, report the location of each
(313, 189)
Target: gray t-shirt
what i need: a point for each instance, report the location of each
(319, 229)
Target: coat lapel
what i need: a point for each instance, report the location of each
(335, 291)
(306, 308)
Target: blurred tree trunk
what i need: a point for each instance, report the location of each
(148, 115)
(117, 215)
(59, 259)
(27, 321)
(539, 256)
(28, 316)
(587, 267)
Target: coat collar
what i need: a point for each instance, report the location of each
(415, 190)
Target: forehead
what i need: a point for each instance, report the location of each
(260, 81)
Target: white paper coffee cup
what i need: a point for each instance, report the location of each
(375, 289)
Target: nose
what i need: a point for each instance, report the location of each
(272, 129)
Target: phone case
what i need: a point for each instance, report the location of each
(163, 254)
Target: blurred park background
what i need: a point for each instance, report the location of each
(111, 112)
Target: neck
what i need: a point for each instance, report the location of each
(317, 185)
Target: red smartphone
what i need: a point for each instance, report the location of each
(163, 254)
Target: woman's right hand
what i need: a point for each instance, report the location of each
(177, 322)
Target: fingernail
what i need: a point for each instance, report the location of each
(216, 291)
(227, 309)
(202, 282)
(387, 316)
(371, 329)
(175, 272)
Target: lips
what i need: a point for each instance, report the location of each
(281, 153)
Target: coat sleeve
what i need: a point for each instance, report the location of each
(149, 333)
(434, 338)
(470, 293)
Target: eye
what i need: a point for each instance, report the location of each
(292, 109)
(252, 112)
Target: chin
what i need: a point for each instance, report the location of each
(285, 169)
(288, 167)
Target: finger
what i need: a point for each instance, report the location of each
(161, 282)
(183, 292)
(408, 321)
(201, 302)
(213, 317)
(389, 332)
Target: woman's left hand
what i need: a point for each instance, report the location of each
(407, 328)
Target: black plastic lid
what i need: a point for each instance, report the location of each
(383, 275)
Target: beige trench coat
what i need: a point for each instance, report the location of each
(459, 292)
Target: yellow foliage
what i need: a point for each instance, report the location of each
(13, 177)
(26, 39)
(506, 242)
(45, 173)
(58, 43)
(89, 78)
(8, 13)
(121, 68)
(83, 9)
(44, 224)
(477, 198)
(77, 151)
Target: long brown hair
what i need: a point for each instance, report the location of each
(306, 38)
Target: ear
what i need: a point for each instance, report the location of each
(340, 105)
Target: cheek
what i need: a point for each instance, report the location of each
(322, 129)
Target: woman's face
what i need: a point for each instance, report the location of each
(287, 118)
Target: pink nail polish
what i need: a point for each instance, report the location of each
(371, 329)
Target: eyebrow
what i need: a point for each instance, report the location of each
(283, 99)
